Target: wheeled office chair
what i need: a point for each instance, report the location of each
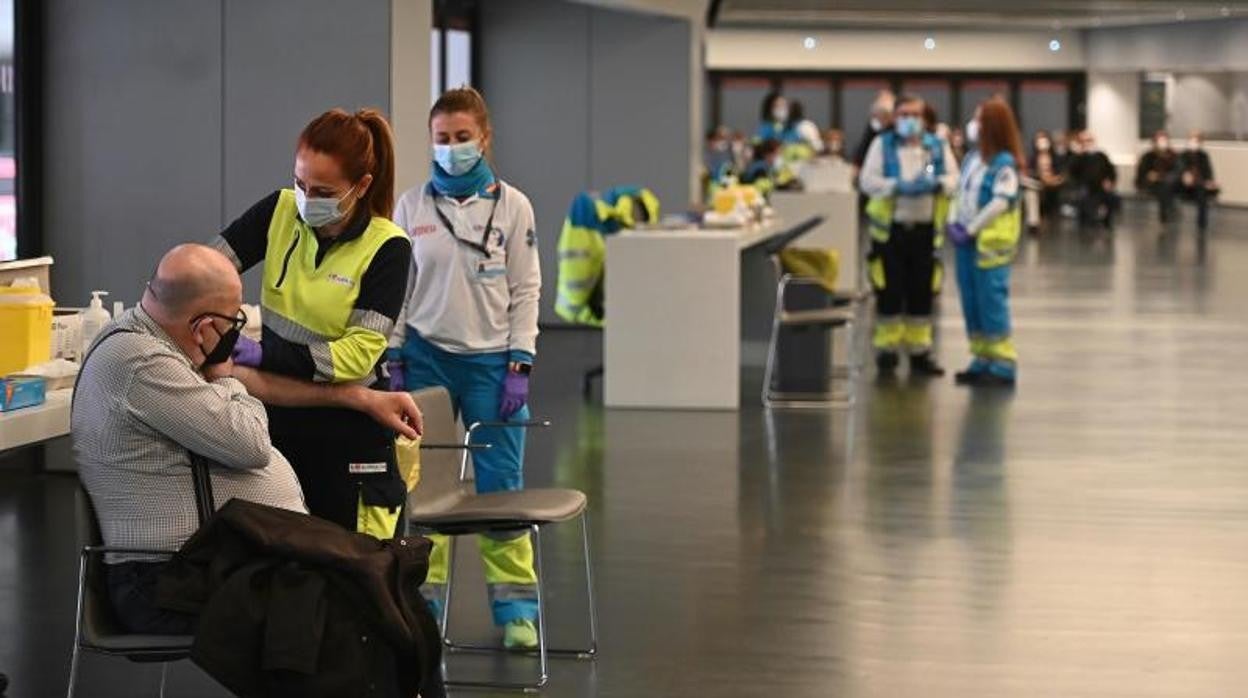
(446, 502)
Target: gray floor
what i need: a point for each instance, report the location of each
(1085, 536)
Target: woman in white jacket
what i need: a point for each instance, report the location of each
(470, 325)
(984, 225)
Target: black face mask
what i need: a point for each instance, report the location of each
(225, 346)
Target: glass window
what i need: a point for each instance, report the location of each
(458, 58)
(435, 66)
(8, 136)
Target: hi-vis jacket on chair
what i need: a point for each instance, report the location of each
(328, 309)
(906, 236)
(988, 205)
(582, 247)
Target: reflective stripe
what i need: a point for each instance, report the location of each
(1000, 349)
(513, 592)
(371, 320)
(571, 285)
(323, 360)
(918, 335)
(377, 521)
(575, 254)
(509, 561)
(220, 244)
(288, 329)
(889, 333)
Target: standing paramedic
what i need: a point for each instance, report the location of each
(471, 327)
(335, 270)
(984, 226)
(908, 176)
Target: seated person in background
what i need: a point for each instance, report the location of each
(157, 387)
(767, 170)
(1046, 167)
(1196, 180)
(834, 143)
(718, 154)
(1096, 182)
(1158, 174)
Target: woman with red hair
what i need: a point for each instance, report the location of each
(984, 225)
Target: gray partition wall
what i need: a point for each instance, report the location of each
(583, 97)
(167, 119)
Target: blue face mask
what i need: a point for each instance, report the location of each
(909, 126)
(457, 159)
(319, 211)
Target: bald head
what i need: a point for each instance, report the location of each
(191, 280)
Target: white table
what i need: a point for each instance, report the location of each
(35, 425)
(673, 306)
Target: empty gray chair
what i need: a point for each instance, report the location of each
(842, 314)
(96, 628)
(446, 502)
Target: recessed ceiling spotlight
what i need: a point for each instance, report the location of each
(1097, 21)
(1180, 15)
(1226, 11)
(1055, 45)
(929, 43)
(809, 43)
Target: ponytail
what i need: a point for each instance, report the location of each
(362, 143)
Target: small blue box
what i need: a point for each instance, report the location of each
(17, 392)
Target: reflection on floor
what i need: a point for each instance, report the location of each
(1085, 536)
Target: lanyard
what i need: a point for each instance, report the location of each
(489, 225)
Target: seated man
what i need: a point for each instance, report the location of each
(1097, 182)
(1196, 180)
(158, 387)
(1158, 174)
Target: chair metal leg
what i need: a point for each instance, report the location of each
(768, 374)
(164, 674)
(543, 651)
(73, 659)
(446, 595)
(589, 590)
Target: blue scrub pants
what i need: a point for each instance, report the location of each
(986, 308)
(475, 382)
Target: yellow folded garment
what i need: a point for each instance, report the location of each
(407, 452)
(820, 263)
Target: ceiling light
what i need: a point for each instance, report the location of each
(1226, 11)
(1180, 15)
(929, 43)
(809, 43)
(1055, 45)
(1097, 21)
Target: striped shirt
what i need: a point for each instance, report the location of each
(141, 407)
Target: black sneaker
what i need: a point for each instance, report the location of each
(924, 365)
(886, 361)
(992, 380)
(967, 377)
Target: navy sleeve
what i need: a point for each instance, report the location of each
(385, 281)
(247, 237)
(286, 358)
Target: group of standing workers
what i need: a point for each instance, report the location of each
(918, 193)
(439, 290)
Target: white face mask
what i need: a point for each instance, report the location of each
(319, 211)
(1163, 143)
(876, 124)
(1042, 144)
(457, 158)
(972, 131)
(780, 114)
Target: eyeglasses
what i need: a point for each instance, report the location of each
(237, 322)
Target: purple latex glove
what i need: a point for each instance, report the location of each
(515, 394)
(398, 384)
(958, 234)
(247, 352)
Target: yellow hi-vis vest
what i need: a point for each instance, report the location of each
(315, 305)
(880, 208)
(997, 242)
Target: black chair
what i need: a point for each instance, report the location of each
(96, 628)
